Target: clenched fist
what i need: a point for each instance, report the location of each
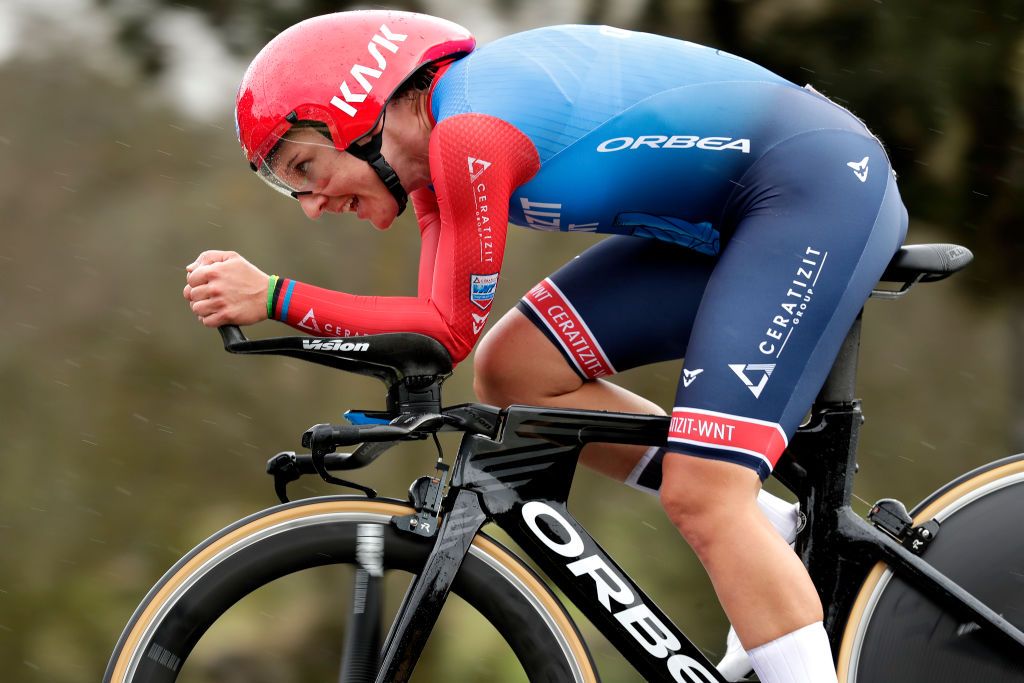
(225, 289)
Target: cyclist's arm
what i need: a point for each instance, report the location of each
(424, 202)
(476, 162)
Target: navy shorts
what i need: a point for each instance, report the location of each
(806, 236)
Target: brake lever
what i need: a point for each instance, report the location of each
(322, 439)
(285, 467)
(319, 455)
(285, 470)
(318, 463)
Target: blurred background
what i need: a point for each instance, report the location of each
(128, 435)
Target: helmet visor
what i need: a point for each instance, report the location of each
(300, 162)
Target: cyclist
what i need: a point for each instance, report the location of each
(750, 219)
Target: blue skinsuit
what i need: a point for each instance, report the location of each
(773, 212)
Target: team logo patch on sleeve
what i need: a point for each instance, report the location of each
(481, 290)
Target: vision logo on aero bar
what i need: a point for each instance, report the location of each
(765, 370)
(363, 73)
(334, 345)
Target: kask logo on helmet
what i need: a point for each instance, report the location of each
(362, 73)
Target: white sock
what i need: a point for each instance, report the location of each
(803, 656)
(633, 480)
(783, 515)
(735, 664)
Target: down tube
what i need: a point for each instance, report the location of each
(605, 594)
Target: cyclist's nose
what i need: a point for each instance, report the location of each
(313, 204)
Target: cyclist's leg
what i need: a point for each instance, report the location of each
(516, 364)
(532, 356)
(812, 239)
(760, 581)
(599, 314)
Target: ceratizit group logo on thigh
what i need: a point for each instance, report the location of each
(753, 371)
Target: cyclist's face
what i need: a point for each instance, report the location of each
(333, 181)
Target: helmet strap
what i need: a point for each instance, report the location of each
(370, 153)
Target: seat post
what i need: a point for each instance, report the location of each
(841, 382)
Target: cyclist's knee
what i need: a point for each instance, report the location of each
(516, 363)
(494, 367)
(705, 498)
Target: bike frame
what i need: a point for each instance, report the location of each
(519, 477)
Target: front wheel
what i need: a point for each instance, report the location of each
(894, 633)
(156, 644)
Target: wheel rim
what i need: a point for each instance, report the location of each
(208, 556)
(940, 508)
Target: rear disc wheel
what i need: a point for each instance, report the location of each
(895, 633)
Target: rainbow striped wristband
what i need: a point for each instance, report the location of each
(271, 287)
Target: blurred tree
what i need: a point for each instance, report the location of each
(244, 25)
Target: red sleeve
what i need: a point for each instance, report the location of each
(476, 162)
(424, 202)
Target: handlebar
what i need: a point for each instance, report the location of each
(327, 437)
(412, 366)
(391, 357)
(232, 336)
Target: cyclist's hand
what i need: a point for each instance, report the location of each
(225, 289)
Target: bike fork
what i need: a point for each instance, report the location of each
(426, 596)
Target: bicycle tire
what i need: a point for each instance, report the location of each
(265, 546)
(894, 633)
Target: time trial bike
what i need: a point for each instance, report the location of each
(935, 594)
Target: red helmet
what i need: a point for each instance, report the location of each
(338, 69)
